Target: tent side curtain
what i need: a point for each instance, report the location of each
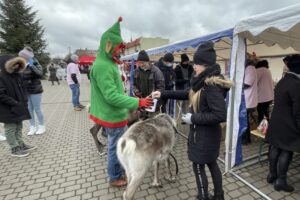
(280, 27)
(177, 46)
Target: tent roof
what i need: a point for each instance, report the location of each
(185, 44)
(86, 60)
(280, 26)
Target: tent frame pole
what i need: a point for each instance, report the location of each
(250, 185)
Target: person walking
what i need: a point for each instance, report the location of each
(284, 128)
(32, 81)
(53, 74)
(13, 104)
(74, 80)
(207, 110)
(109, 103)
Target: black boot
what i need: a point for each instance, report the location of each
(204, 194)
(218, 196)
(281, 184)
(283, 165)
(271, 178)
(273, 160)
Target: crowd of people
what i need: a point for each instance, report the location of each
(201, 89)
(284, 122)
(205, 94)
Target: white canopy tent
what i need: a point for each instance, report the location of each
(281, 27)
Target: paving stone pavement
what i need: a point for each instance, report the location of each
(66, 164)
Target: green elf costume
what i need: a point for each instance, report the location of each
(109, 103)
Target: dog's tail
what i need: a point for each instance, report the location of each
(126, 146)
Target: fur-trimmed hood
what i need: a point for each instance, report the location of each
(8, 61)
(217, 80)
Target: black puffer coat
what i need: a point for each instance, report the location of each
(205, 132)
(284, 128)
(32, 78)
(180, 82)
(13, 100)
(169, 74)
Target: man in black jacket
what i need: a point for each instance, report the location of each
(146, 79)
(165, 64)
(183, 73)
(13, 104)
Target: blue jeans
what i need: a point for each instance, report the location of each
(75, 94)
(34, 106)
(115, 170)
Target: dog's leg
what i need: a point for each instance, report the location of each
(170, 176)
(136, 176)
(156, 182)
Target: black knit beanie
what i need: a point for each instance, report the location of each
(168, 57)
(143, 56)
(262, 63)
(184, 58)
(205, 54)
(294, 63)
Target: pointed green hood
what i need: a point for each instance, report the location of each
(113, 34)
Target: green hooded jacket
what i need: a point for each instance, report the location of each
(109, 103)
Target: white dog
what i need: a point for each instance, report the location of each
(143, 144)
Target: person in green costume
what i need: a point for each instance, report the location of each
(109, 103)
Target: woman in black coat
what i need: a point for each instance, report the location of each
(208, 110)
(284, 129)
(13, 103)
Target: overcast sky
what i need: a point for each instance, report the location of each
(79, 23)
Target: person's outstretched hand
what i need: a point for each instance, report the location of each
(156, 94)
(145, 103)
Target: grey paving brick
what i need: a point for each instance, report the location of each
(66, 195)
(46, 194)
(6, 192)
(23, 194)
(39, 190)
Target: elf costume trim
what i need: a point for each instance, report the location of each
(109, 103)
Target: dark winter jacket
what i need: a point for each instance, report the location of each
(169, 74)
(155, 81)
(53, 70)
(284, 127)
(32, 78)
(205, 132)
(13, 100)
(180, 82)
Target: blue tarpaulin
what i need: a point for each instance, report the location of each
(177, 46)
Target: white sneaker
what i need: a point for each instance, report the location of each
(32, 130)
(41, 130)
(2, 137)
